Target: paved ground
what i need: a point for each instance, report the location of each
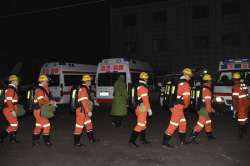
(113, 149)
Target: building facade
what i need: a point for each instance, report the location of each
(173, 34)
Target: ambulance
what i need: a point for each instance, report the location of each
(224, 82)
(109, 70)
(63, 76)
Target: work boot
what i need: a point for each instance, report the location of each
(3, 135)
(182, 137)
(143, 137)
(91, 137)
(35, 139)
(46, 139)
(133, 137)
(193, 137)
(240, 131)
(13, 139)
(77, 138)
(166, 140)
(210, 136)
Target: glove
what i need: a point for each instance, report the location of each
(90, 114)
(150, 113)
(13, 113)
(52, 102)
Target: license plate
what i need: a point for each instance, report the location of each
(104, 93)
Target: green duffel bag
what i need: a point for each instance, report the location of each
(20, 110)
(142, 108)
(91, 105)
(48, 111)
(203, 112)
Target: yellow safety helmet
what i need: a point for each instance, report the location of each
(43, 78)
(236, 75)
(187, 71)
(13, 77)
(144, 76)
(86, 77)
(207, 77)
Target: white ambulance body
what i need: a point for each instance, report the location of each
(110, 69)
(63, 76)
(224, 82)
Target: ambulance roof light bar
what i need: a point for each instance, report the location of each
(236, 60)
(114, 60)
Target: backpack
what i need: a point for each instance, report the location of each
(30, 103)
(196, 102)
(134, 102)
(196, 98)
(2, 96)
(171, 94)
(74, 104)
(133, 97)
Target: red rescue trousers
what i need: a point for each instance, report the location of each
(12, 120)
(203, 122)
(177, 120)
(141, 120)
(42, 123)
(82, 120)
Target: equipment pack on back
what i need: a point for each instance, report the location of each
(170, 93)
(196, 97)
(2, 96)
(30, 103)
(135, 101)
(74, 98)
(74, 103)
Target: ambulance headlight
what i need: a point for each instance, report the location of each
(218, 99)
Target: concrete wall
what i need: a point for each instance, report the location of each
(179, 33)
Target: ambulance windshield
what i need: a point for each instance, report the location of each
(53, 80)
(108, 79)
(225, 78)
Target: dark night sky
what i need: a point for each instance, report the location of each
(78, 34)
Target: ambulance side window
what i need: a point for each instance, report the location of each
(70, 80)
(247, 78)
